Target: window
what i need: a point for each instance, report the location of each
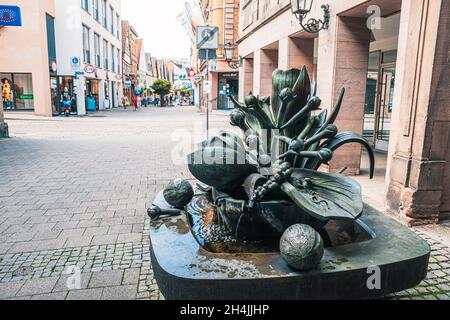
(105, 55)
(118, 60)
(17, 91)
(96, 10)
(389, 56)
(105, 19)
(118, 26)
(85, 5)
(51, 42)
(111, 19)
(113, 58)
(86, 45)
(97, 50)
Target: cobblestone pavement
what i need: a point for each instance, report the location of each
(74, 193)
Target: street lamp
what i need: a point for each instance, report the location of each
(228, 51)
(301, 9)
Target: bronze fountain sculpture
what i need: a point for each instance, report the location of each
(264, 213)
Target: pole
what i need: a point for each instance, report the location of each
(207, 95)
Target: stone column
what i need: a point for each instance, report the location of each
(418, 181)
(3, 125)
(257, 72)
(81, 99)
(246, 78)
(296, 53)
(343, 56)
(268, 64)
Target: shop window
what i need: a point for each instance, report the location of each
(17, 91)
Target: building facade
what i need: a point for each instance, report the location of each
(392, 58)
(89, 51)
(130, 59)
(25, 78)
(225, 15)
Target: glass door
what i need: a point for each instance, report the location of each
(384, 107)
(227, 86)
(379, 98)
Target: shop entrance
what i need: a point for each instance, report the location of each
(91, 95)
(57, 87)
(228, 84)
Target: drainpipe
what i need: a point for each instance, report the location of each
(3, 125)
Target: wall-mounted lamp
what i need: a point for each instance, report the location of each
(228, 51)
(301, 9)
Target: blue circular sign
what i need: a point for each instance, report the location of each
(75, 60)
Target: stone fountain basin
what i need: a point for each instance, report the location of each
(186, 271)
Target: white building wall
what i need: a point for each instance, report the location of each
(69, 41)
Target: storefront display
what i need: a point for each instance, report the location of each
(17, 91)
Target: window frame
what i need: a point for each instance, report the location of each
(106, 54)
(97, 50)
(86, 51)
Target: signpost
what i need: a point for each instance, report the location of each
(75, 63)
(207, 43)
(10, 16)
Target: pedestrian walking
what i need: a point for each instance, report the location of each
(134, 102)
(139, 103)
(125, 102)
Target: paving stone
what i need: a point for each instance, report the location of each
(78, 241)
(104, 239)
(120, 229)
(106, 278)
(9, 290)
(57, 296)
(85, 295)
(131, 276)
(120, 293)
(63, 285)
(37, 286)
(129, 238)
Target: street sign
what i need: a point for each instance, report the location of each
(75, 63)
(192, 73)
(10, 16)
(79, 74)
(207, 37)
(212, 54)
(207, 87)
